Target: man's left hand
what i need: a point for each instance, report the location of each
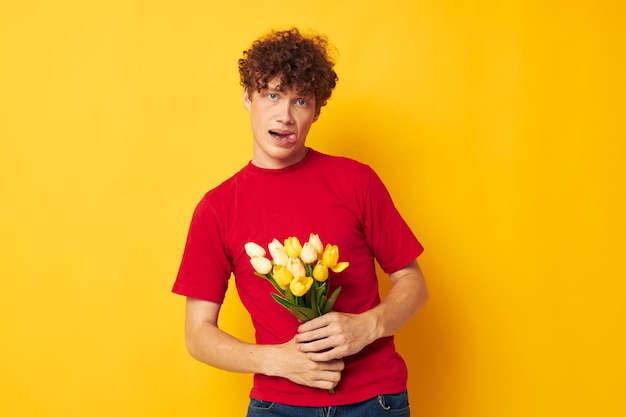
(336, 335)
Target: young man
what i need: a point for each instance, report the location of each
(289, 189)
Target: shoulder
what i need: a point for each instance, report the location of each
(347, 176)
(221, 194)
(342, 163)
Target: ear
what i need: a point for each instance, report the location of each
(317, 115)
(246, 98)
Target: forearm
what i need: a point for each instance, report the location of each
(209, 344)
(337, 335)
(407, 296)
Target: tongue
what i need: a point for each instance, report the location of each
(291, 138)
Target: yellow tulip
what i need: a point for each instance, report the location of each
(340, 266)
(308, 254)
(299, 286)
(261, 264)
(277, 250)
(330, 255)
(330, 258)
(282, 276)
(320, 272)
(252, 249)
(293, 247)
(314, 240)
(295, 266)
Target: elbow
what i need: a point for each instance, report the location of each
(194, 345)
(423, 293)
(424, 297)
(191, 347)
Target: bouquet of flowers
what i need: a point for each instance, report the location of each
(299, 273)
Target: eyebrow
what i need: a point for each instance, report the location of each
(279, 88)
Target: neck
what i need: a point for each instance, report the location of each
(268, 162)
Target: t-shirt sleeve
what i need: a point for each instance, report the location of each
(392, 241)
(205, 268)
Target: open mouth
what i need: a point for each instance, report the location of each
(288, 137)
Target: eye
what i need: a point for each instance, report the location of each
(301, 102)
(272, 96)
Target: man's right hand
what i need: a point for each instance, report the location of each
(209, 344)
(295, 365)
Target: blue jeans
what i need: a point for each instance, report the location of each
(383, 405)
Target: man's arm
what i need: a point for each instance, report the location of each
(337, 335)
(211, 345)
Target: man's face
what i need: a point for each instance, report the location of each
(280, 120)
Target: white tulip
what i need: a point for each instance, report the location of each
(296, 267)
(277, 250)
(254, 250)
(261, 264)
(308, 254)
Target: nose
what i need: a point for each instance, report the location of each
(284, 113)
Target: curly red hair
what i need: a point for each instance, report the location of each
(302, 61)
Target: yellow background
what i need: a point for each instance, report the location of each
(498, 126)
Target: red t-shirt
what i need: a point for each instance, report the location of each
(346, 204)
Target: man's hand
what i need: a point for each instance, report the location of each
(209, 344)
(295, 365)
(336, 335)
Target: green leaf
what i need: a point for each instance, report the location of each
(289, 295)
(315, 304)
(322, 304)
(331, 301)
(303, 314)
(282, 301)
(307, 299)
(320, 291)
(301, 317)
(270, 278)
